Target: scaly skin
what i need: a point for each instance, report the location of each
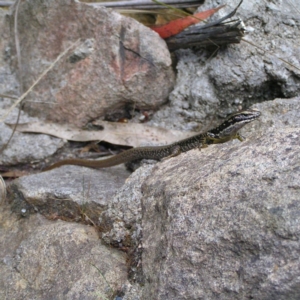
(227, 131)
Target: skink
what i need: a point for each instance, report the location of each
(227, 131)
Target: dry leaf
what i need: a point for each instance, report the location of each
(178, 25)
(13, 174)
(127, 134)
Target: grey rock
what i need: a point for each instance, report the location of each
(124, 210)
(43, 259)
(132, 292)
(280, 113)
(223, 223)
(262, 76)
(70, 192)
(238, 75)
(120, 63)
(220, 223)
(125, 205)
(8, 81)
(25, 147)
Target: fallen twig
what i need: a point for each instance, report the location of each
(2, 190)
(217, 35)
(210, 34)
(146, 4)
(8, 96)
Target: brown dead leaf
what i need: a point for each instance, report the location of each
(127, 134)
(13, 174)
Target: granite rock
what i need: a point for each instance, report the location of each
(212, 84)
(42, 259)
(223, 223)
(119, 65)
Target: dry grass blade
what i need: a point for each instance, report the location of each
(2, 190)
(18, 50)
(270, 53)
(8, 96)
(145, 4)
(141, 11)
(163, 4)
(17, 44)
(294, 6)
(38, 80)
(20, 67)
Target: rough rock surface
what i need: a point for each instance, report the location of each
(126, 203)
(70, 192)
(43, 259)
(24, 147)
(238, 75)
(223, 223)
(8, 82)
(120, 64)
(124, 209)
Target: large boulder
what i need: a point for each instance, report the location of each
(118, 66)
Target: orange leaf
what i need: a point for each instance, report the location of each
(179, 25)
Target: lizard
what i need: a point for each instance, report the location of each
(227, 131)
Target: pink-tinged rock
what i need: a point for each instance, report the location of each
(120, 63)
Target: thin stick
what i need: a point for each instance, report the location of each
(17, 44)
(131, 11)
(38, 80)
(294, 7)
(172, 7)
(18, 50)
(13, 132)
(180, 10)
(145, 4)
(8, 96)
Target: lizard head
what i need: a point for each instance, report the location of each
(229, 128)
